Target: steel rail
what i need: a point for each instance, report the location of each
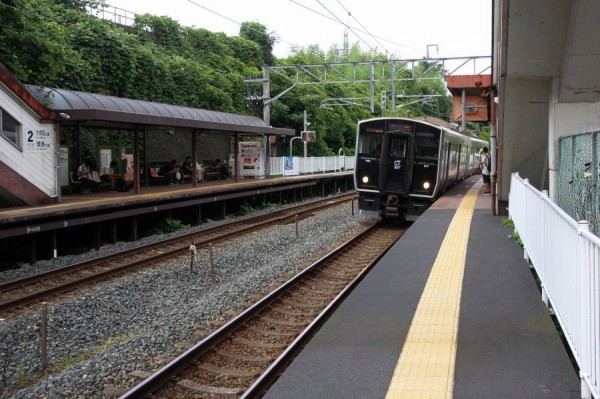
(250, 224)
(169, 372)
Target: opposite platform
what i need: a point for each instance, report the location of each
(506, 345)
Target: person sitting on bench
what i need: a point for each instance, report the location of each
(171, 172)
(187, 168)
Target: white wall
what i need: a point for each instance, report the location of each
(525, 132)
(37, 167)
(576, 118)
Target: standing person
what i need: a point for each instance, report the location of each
(486, 168)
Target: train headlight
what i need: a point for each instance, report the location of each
(426, 185)
(365, 179)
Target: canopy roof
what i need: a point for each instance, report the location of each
(97, 109)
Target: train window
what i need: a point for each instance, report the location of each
(10, 127)
(398, 148)
(426, 145)
(370, 144)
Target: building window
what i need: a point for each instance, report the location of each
(10, 127)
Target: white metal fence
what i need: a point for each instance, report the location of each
(566, 257)
(312, 165)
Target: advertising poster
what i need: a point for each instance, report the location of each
(291, 166)
(64, 166)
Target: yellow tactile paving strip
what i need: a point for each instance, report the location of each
(425, 369)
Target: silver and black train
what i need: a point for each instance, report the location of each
(403, 165)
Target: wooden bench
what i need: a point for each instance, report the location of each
(212, 175)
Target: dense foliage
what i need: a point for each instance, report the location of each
(57, 43)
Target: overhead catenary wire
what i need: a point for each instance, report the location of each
(238, 23)
(362, 26)
(356, 29)
(351, 29)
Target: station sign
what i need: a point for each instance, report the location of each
(37, 140)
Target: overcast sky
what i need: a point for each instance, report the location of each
(403, 28)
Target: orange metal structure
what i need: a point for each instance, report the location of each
(477, 90)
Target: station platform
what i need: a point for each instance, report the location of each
(72, 204)
(81, 222)
(451, 311)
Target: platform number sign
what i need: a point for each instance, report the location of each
(36, 140)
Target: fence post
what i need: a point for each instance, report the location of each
(584, 305)
(524, 232)
(44, 338)
(213, 278)
(193, 257)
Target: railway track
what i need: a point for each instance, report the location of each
(17, 295)
(244, 356)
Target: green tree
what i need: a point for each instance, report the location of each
(258, 33)
(160, 60)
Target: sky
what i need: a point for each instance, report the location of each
(401, 29)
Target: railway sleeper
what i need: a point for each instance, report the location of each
(271, 332)
(257, 344)
(280, 322)
(200, 388)
(244, 358)
(288, 312)
(229, 372)
(303, 305)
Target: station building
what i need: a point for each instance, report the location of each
(47, 132)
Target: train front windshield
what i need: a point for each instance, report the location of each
(369, 145)
(426, 145)
(368, 155)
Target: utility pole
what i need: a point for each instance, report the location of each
(306, 124)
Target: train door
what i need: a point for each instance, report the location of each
(445, 166)
(462, 151)
(397, 163)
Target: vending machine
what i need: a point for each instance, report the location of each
(251, 160)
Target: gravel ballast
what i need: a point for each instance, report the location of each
(98, 336)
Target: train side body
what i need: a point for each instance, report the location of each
(403, 165)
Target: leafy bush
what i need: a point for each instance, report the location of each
(508, 223)
(169, 225)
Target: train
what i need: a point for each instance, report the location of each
(404, 164)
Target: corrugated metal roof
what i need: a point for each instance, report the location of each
(91, 107)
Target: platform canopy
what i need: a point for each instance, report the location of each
(90, 109)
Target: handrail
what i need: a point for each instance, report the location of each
(312, 165)
(566, 257)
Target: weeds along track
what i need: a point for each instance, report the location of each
(244, 356)
(19, 295)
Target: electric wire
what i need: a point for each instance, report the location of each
(362, 26)
(268, 34)
(352, 30)
(356, 29)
